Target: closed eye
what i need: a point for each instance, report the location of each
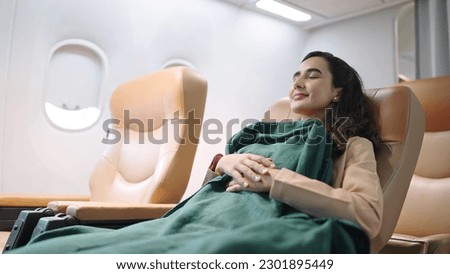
(311, 73)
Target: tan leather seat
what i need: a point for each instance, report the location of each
(402, 127)
(148, 170)
(424, 223)
(152, 161)
(154, 132)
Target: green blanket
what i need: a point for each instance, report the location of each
(215, 221)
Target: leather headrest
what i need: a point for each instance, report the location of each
(434, 96)
(144, 104)
(392, 105)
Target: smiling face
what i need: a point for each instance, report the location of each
(312, 90)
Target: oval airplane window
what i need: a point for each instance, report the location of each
(73, 84)
(177, 63)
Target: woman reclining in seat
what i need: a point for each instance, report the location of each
(303, 186)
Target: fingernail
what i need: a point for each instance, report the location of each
(264, 171)
(257, 178)
(245, 184)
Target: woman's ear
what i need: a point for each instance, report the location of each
(337, 94)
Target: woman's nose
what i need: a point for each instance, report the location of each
(298, 83)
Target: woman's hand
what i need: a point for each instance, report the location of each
(262, 185)
(244, 168)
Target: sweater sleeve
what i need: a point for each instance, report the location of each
(360, 199)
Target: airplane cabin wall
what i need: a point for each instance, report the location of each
(366, 42)
(247, 58)
(7, 8)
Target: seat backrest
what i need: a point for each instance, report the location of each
(426, 209)
(402, 125)
(153, 136)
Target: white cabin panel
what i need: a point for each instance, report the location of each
(7, 10)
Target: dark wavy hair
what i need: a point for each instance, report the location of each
(354, 114)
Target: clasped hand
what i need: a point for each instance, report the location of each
(250, 172)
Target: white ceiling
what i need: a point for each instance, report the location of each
(326, 11)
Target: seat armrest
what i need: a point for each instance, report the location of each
(105, 211)
(12, 204)
(31, 200)
(438, 244)
(61, 206)
(406, 244)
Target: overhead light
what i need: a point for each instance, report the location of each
(283, 10)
